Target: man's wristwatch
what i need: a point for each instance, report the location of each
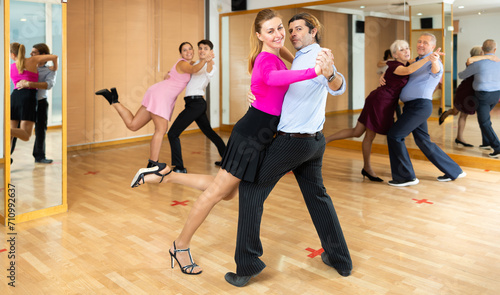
(332, 77)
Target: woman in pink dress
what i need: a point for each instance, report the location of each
(158, 102)
(377, 115)
(23, 101)
(250, 136)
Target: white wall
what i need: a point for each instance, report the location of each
(225, 5)
(472, 31)
(358, 65)
(215, 106)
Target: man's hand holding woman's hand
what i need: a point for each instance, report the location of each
(435, 56)
(324, 63)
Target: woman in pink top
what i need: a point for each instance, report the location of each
(23, 101)
(158, 102)
(250, 136)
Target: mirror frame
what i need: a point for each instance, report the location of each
(63, 207)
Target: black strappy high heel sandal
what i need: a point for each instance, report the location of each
(187, 269)
(153, 167)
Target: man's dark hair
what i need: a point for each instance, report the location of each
(42, 48)
(206, 42)
(311, 22)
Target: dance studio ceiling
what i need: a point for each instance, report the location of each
(398, 7)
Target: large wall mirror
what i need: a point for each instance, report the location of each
(388, 23)
(40, 188)
(384, 21)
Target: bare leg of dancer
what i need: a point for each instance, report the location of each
(141, 118)
(161, 126)
(25, 130)
(462, 119)
(133, 123)
(366, 147)
(223, 185)
(357, 131)
(197, 181)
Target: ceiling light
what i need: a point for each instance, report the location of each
(23, 19)
(362, 6)
(420, 13)
(461, 6)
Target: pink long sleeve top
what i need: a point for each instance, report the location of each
(270, 81)
(26, 75)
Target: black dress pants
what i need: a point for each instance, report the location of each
(40, 129)
(194, 111)
(303, 156)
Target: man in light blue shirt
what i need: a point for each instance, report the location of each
(298, 147)
(417, 98)
(487, 86)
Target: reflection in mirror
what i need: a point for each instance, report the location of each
(39, 184)
(427, 16)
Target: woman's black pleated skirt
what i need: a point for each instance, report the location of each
(247, 144)
(23, 105)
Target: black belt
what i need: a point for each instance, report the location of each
(300, 135)
(193, 97)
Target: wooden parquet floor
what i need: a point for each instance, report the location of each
(432, 238)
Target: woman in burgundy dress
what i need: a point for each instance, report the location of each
(377, 115)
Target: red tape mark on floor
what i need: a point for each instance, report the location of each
(314, 253)
(3, 250)
(175, 203)
(422, 201)
(91, 172)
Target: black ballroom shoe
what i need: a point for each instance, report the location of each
(44, 161)
(371, 178)
(179, 170)
(442, 118)
(494, 155)
(485, 147)
(114, 96)
(218, 163)
(414, 181)
(152, 164)
(445, 178)
(344, 273)
(107, 95)
(462, 143)
(238, 281)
